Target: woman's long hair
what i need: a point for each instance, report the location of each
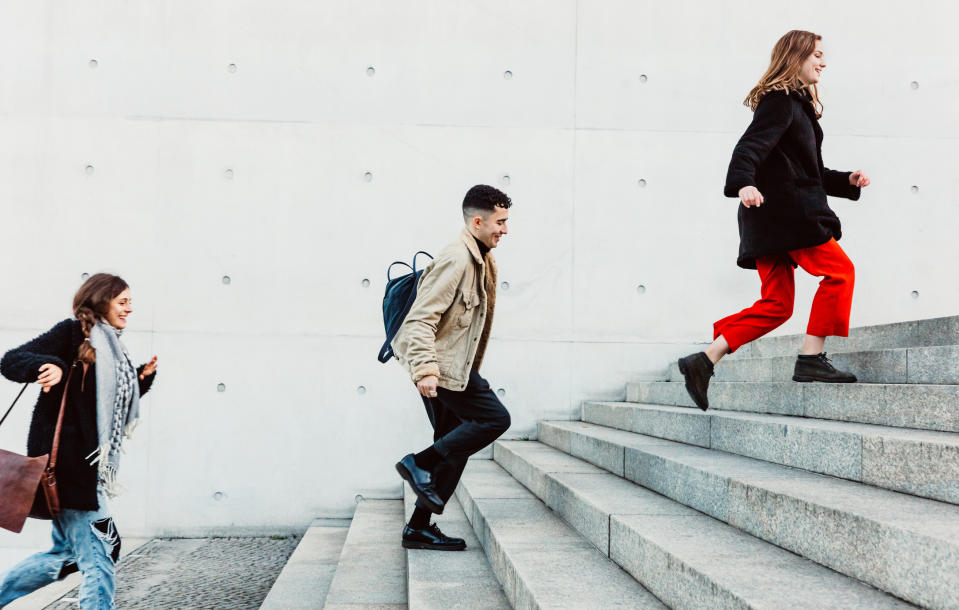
(91, 303)
(784, 67)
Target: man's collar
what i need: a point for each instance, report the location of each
(470, 242)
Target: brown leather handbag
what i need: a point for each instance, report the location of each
(28, 485)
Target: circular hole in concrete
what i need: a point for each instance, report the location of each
(641, 289)
(84, 276)
(501, 392)
(219, 495)
(361, 390)
(365, 283)
(226, 280)
(359, 498)
(508, 74)
(221, 387)
(228, 174)
(231, 68)
(914, 84)
(643, 78)
(368, 177)
(89, 169)
(93, 63)
(506, 179)
(642, 183)
(915, 294)
(504, 285)
(370, 71)
(914, 189)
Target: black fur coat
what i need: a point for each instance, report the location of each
(781, 155)
(76, 478)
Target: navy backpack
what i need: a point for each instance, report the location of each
(397, 301)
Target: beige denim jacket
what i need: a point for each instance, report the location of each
(447, 330)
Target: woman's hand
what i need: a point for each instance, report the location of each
(149, 368)
(750, 196)
(50, 375)
(859, 178)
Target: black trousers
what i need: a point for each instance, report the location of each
(463, 423)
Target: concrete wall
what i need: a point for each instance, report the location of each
(298, 147)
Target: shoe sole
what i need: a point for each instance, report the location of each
(431, 547)
(432, 506)
(682, 369)
(805, 379)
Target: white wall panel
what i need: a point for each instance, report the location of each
(199, 171)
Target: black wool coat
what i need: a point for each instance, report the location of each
(781, 155)
(76, 478)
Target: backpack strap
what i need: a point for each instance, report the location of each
(394, 263)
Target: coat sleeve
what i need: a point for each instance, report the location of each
(434, 296)
(837, 184)
(770, 121)
(22, 364)
(147, 382)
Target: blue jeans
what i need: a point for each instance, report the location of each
(83, 540)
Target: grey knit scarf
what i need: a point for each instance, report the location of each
(118, 403)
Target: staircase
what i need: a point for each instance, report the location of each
(782, 495)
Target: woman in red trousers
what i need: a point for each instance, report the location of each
(784, 219)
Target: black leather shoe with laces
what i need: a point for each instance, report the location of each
(421, 481)
(818, 367)
(432, 539)
(697, 369)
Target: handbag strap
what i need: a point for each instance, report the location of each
(56, 435)
(22, 390)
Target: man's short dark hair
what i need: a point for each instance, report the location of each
(484, 199)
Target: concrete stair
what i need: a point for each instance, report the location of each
(929, 365)
(919, 406)
(307, 575)
(685, 558)
(782, 495)
(441, 580)
(918, 462)
(541, 561)
(913, 333)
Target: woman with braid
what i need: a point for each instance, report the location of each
(102, 407)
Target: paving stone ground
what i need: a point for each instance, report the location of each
(197, 573)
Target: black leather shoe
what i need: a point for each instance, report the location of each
(697, 369)
(819, 368)
(422, 483)
(431, 538)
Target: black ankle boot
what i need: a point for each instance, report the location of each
(818, 368)
(697, 369)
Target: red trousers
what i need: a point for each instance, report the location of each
(830, 307)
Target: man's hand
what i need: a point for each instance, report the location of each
(427, 386)
(50, 375)
(750, 196)
(858, 178)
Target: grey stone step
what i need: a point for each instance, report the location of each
(898, 543)
(685, 558)
(919, 462)
(371, 572)
(914, 333)
(920, 406)
(541, 561)
(928, 365)
(439, 580)
(305, 579)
